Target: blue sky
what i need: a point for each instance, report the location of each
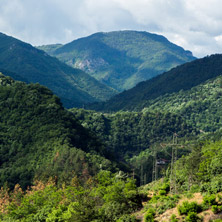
(195, 25)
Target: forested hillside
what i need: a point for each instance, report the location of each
(200, 106)
(183, 77)
(73, 86)
(129, 133)
(40, 139)
(121, 59)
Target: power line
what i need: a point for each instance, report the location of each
(174, 153)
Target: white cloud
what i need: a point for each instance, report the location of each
(193, 24)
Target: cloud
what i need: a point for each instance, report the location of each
(193, 24)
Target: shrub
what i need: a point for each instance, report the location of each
(127, 218)
(215, 209)
(192, 217)
(173, 218)
(210, 200)
(162, 192)
(165, 187)
(194, 188)
(162, 203)
(149, 216)
(187, 208)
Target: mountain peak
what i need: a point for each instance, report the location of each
(121, 59)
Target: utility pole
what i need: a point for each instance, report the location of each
(155, 170)
(141, 175)
(133, 173)
(174, 153)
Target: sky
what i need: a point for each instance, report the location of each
(196, 25)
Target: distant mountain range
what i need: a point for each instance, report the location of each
(121, 59)
(24, 62)
(183, 77)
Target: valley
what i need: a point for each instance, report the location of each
(96, 135)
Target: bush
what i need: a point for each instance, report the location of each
(162, 203)
(173, 218)
(215, 209)
(127, 218)
(192, 217)
(149, 216)
(162, 192)
(194, 188)
(210, 200)
(187, 208)
(165, 187)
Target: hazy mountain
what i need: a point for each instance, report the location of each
(183, 77)
(73, 86)
(121, 59)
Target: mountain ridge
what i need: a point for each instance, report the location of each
(183, 77)
(74, 86)
(121, 59)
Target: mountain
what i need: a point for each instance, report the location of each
(200, 106)
(40, 139)
(183, 77)
(121, 59)
(73, 86)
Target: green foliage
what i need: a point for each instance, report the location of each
(215, 209)
(127, 218)
(94, 201)
(173, 218)
(129, 133)
(202, 167)
(162, 192)
(38, 138)
(173, 87)
(132, 132)
(189, 207)
(192, 217)
(162, 203)
(166, 187)
(121, 59)
(210, 199)
(149, 215)
(200, 105)
(73, 86)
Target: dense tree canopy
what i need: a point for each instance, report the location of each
(39, 137)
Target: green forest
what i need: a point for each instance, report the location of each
(39, 138)
(151, 153)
